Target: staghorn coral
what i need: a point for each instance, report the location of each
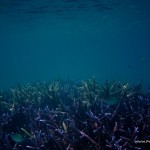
(70, 115)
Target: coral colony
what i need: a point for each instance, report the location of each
(67, 115)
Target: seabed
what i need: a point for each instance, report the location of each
(67, 115)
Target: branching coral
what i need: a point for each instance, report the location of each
(70, 115)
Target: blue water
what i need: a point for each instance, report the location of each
(43, 40)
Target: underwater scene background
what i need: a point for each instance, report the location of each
(44, 40)
(74, 74)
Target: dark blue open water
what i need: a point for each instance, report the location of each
(46, 39)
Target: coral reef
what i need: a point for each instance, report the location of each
(67, 115)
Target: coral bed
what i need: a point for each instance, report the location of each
(66, 115)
